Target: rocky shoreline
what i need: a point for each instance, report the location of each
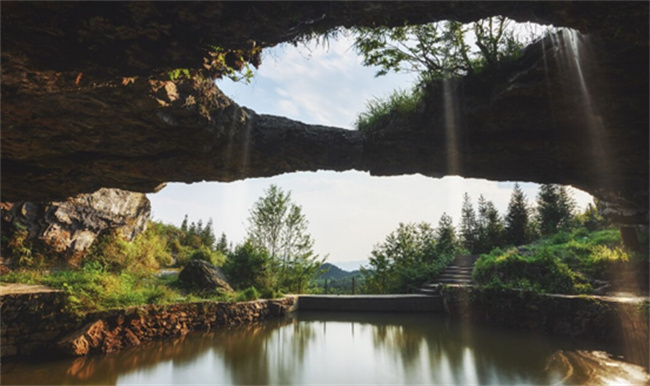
(36, 323)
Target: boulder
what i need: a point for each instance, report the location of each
(70, 227)
(204, 275)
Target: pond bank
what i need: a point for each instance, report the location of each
(35, 322)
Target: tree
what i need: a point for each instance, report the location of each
(278, 225)
(438, 50)
(489, 226)
(446, 242)
(468, 226)
(184, 224)
(404, 261)
(207, 235)
(517, 227)
(222, 244)
(555, 208)
(591, 217)
(249, 266)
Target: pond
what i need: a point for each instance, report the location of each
(343, 348)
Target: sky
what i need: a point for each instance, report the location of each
(348, 212)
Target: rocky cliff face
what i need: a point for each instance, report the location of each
(87, 101)
(70, 227)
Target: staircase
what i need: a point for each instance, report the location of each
(459, 272)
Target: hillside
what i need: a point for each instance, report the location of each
(335, 272)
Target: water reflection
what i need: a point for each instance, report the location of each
(343, 348)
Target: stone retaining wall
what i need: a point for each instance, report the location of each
(622, 322)
(35, 323)
(28, 320)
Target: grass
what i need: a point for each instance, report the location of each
(541, 272)
(559, 263)
(401, 105)
(93, 288)
(596, 253)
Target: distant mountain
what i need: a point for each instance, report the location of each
(335, 272)
(351, 265)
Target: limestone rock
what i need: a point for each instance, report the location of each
(204, 275)
(87, 101)
(70, 227)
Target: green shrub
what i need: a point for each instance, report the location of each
(248, 294)
(541, 272)
(204, 253)
(269, 293)
(248, 266)
(603, 260)
(147, 252)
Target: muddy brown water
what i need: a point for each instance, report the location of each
(343, 348)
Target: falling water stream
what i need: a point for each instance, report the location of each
(344, 348)
(573, 56)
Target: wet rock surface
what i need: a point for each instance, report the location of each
(87, 101)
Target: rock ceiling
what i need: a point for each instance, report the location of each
(87, 101)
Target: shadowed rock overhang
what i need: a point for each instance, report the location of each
(87, 101)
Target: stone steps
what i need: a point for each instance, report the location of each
(458, 273)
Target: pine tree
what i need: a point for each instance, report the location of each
(517, 227)
(184, 225)
(207, 235)
(468, 225)
(222, 244)
(555, 208)
(446, 242)
(489, 226)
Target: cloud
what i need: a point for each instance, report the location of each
(316, 85)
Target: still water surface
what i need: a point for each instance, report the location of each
(342, 348)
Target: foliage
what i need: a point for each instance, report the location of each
(147, 252)
(204, 253)
(555, 208)
(446, 240)
(178, 73)
(438, 50)
(233, 64)
(408, 257)
(603, 260)
(489, 226)
(591, 219)
(517, 225)
(191, 240)
(469, 232)
(248, 294)
(249, 266)
(18, 248)
(94, 288)
(541, 272)
(279, 226)
(397, 109)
